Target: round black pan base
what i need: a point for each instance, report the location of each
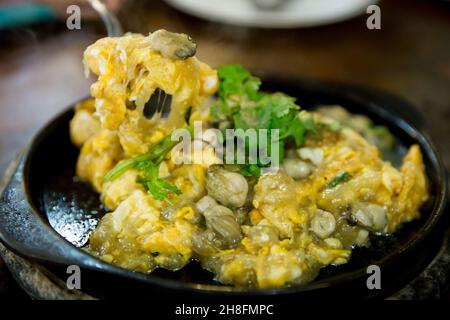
(43, 180)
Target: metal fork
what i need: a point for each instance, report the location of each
(159, 105)
(160, 102)
(112, 24)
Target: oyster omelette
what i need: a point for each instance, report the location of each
(249, 226)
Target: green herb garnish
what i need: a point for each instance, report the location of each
(340, 178)
(241, 105)
(250, 170)
(147, 164)
(157, 187)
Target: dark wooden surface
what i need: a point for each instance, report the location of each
(41, 71)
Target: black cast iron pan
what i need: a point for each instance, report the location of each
(46, 214)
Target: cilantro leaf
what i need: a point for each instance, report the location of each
(235, 80)
(168, 186)
(251, 170)
(339, 179)
(157, 187)
(241, 105)
(147, 164)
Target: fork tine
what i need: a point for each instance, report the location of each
(158, 104)
(167, 104)
(151, 106)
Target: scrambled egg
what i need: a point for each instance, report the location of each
(381, 196)
(290, 226)
(129, 71)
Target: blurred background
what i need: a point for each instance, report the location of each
(41, 70)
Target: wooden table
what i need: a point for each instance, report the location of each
(41, 71)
